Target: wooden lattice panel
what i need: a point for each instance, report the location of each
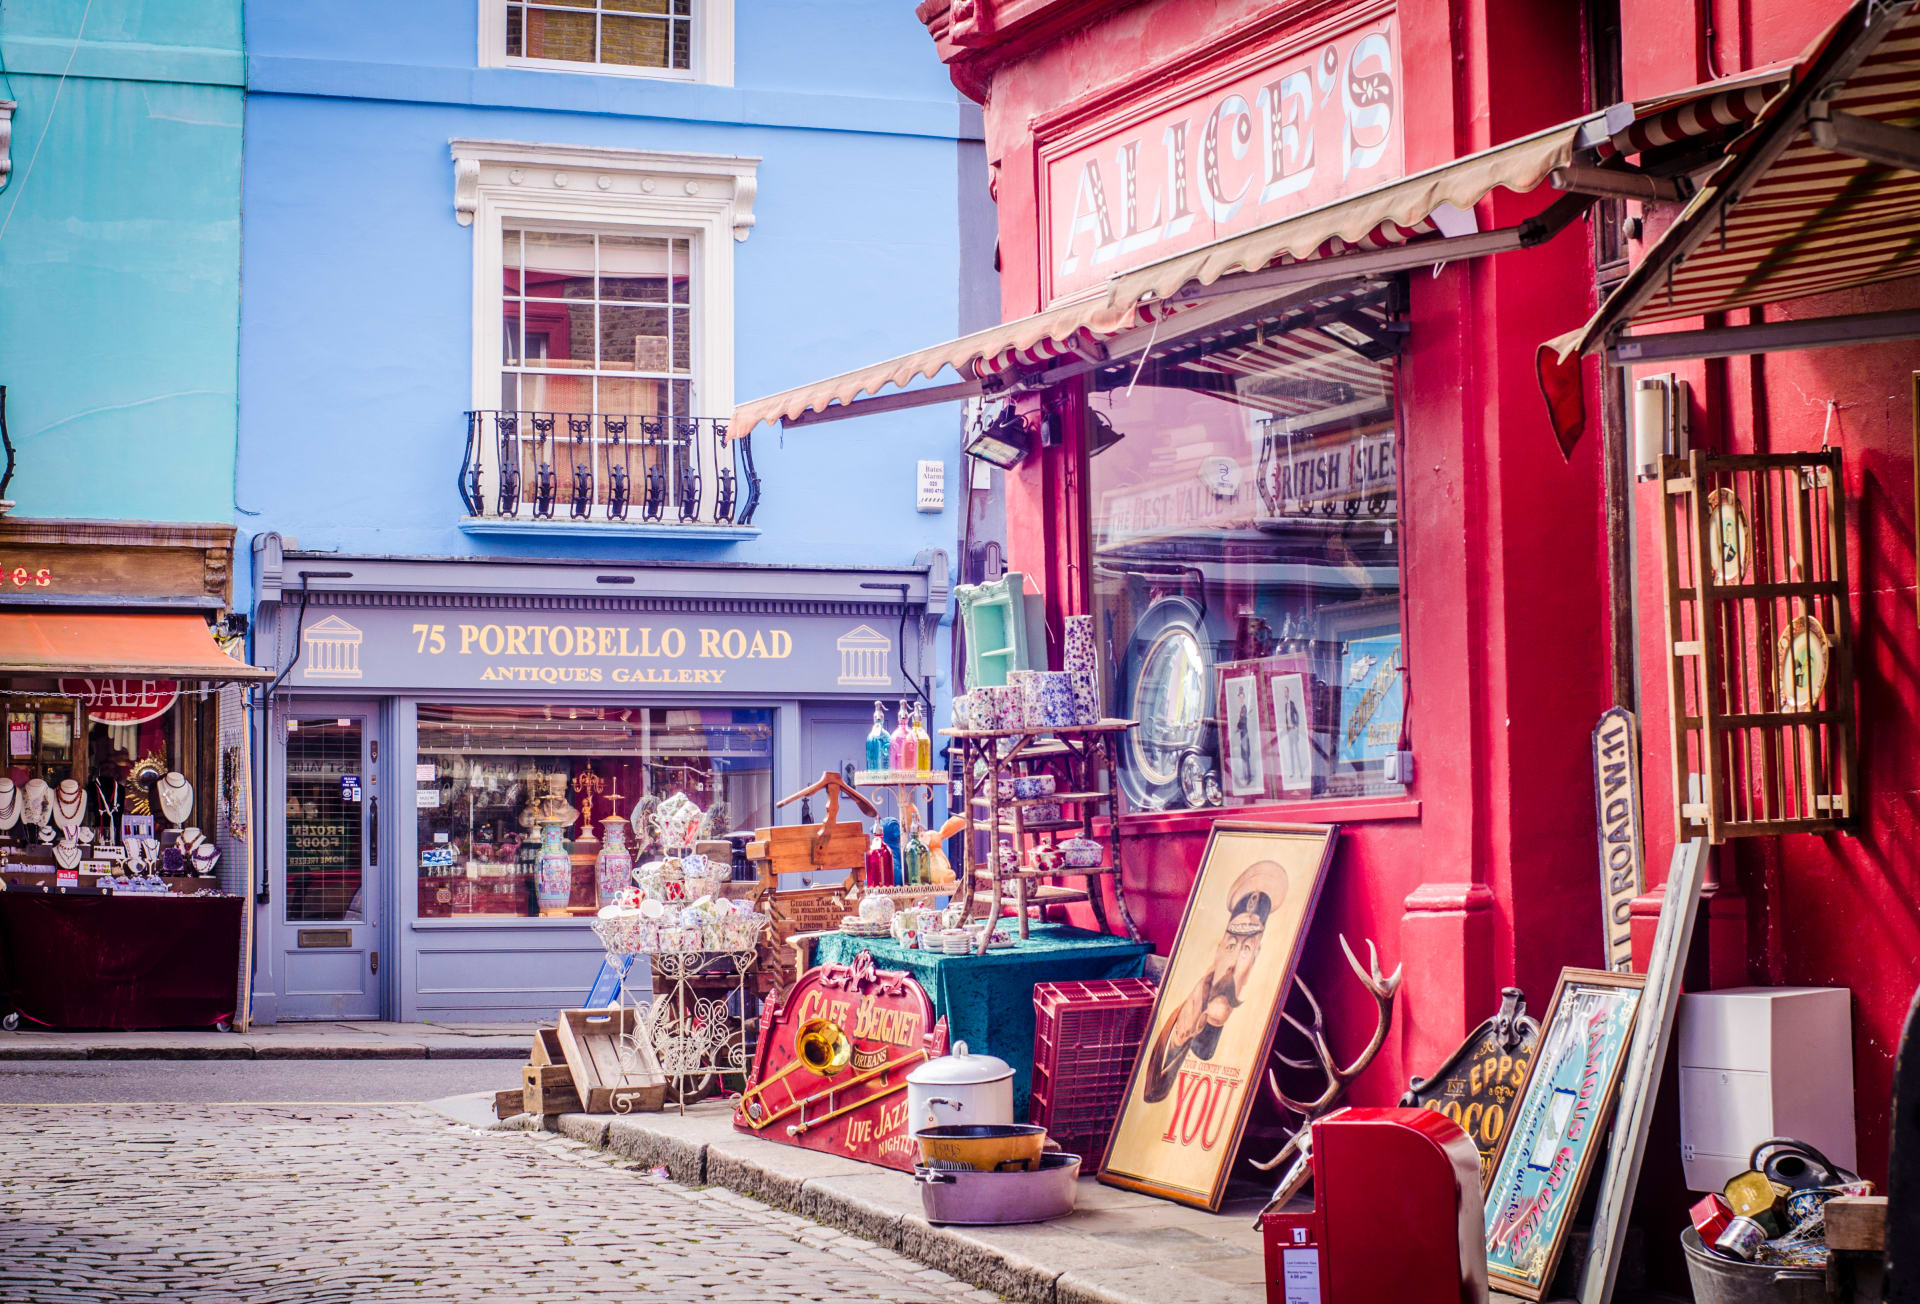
(1760, 644)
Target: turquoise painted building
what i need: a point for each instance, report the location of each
(120, 256)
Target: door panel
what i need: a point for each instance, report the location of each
(328, 892)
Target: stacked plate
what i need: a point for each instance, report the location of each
(855, 926)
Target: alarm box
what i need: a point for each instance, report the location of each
(1396, 1215)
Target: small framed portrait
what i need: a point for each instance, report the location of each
(1213, 1022)
(1242, 735)
(1292, 733)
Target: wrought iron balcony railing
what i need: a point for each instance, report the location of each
(601, 467)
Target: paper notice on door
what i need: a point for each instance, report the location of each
(1300, 1273)
(427, 799)
(426, 771)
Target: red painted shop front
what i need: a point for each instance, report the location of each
(1121, 134)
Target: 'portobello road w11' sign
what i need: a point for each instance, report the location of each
(1616, 799)
(403, 649)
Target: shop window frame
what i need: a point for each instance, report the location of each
(711, 61)
(1071, 559)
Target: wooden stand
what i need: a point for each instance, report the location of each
(1081, 759)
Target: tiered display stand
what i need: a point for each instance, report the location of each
(909, 793)
(1083, 762)
(679, 1021)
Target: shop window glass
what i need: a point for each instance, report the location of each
(481, 771)
(326, 823)
(1244, 501)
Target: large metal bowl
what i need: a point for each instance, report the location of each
(971, 1199)
(983, 1147)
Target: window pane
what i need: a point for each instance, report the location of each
(632, 397)
(324, 829)
(484, 771)
(635, 42)
(556, 35)
(637, 6)
(516, 25)
(641, 339)
(510, 261)
(559, 265)
(683, 45)
(636, 267)
(682, 271)
(1247, 583)
(540, 393)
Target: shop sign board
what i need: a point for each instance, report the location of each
(830, 1071)
(1616, 799)
(425, 648)
(1244, 148)
(1477, 1085)
(122, 701)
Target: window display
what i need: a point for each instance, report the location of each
(503, 792)
(1244, 513)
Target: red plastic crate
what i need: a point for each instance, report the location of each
(1085, 1038)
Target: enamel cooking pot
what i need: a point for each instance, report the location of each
(977, 1199)
(959, 1088)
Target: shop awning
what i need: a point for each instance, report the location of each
(1821, 194)
(153, 645)
(1415, 221)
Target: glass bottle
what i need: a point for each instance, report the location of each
(901, 748)
(879, 744)
(922, 740)
(879, 861)
(913, 854)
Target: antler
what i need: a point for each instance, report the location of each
(1382, 989)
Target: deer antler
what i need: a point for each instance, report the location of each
(1382, 989)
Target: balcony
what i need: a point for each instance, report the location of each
(599, 474)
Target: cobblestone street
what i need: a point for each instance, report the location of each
(299, 1204)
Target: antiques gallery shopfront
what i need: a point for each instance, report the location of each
(469, 702)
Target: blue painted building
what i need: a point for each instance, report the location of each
(508, 267)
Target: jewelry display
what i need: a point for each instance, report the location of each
(205, 857)
(173, 861)
(175, 795)
(10, 804)
(36, 801)
(69, 807)
(84, 835)
(107, 797)
(66, 854)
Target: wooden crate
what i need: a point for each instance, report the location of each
(591, 1040)
(510, 1102)
(548, 1089)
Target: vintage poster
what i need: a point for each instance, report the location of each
(1556, 1129)
(1214, 1018)
(1242, 737)
(1370, 700)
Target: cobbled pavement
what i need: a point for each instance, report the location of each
(320, 1204)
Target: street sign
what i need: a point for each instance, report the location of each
(1616, 801)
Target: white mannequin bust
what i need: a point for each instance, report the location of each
(36, 801)
(10, 803)
(176, 798)
(69, 807)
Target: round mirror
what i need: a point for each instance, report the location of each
(1167, 694)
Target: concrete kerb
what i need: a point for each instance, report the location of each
(1021, 1263)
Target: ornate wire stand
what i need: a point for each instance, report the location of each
(686, 1020)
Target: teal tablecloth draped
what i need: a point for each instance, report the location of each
(987, 1000)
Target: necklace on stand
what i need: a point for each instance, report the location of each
(176, 797)
(10, 804)
(109, 810)
(69, 807)
(35, 799)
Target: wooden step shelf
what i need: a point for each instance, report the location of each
(1083, 760)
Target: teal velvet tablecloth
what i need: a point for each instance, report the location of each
(987, 1000)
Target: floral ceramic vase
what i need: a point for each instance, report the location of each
(556, 867)
(613, 870)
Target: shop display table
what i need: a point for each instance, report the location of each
(987, 1000)
(101, 961)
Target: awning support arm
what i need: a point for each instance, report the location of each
(1767, 337)
(1619, 183)
(1541, 227)
(1864, 138)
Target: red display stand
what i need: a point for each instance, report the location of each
(126, 962)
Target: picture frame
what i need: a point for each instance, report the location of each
(1557, 1128)
(1372, 700)
(1218, 1009)
(1292, 719)
(1243, 731)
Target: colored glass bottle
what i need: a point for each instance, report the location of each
(901, 749)
(914, 852)
(879, 744)
(922, 740)
(879, 861)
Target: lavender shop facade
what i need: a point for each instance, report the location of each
(427, 707)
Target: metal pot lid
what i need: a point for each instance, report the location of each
(961, 1069)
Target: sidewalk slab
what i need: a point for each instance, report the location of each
(283, 1041)
(1117, 1247)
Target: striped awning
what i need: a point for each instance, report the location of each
(1422, 217)
(1789, 211)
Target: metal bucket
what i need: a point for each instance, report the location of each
(1728, 1281)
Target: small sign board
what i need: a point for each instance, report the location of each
(349, 787)
(1477, 1085)
(1616, 800)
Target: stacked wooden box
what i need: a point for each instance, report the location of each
(580, 1065)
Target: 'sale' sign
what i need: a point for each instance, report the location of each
(1616, 798)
